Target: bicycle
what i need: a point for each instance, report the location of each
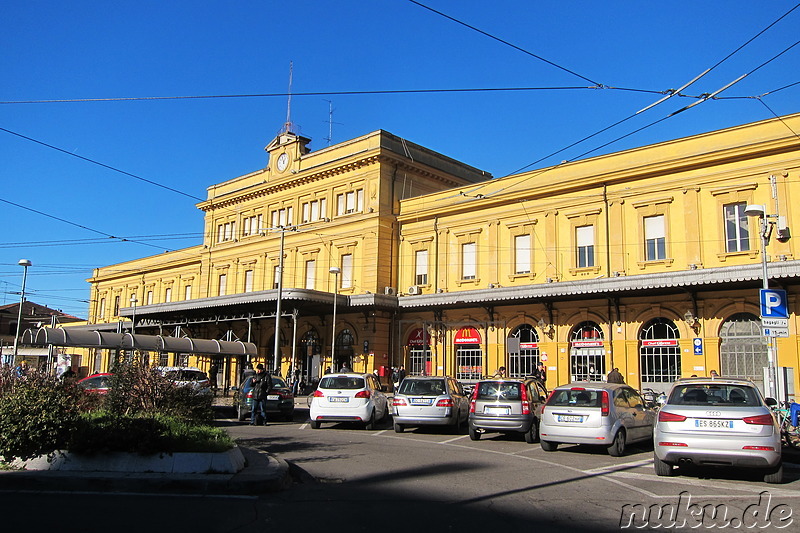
(790, 434)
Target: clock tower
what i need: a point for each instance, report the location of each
(285, 152)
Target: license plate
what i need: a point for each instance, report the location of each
(421, 401)
(570, 418)
(497, 410)
(339, 399)
(706, 423)
(273, 397)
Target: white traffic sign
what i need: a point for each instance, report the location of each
(775, 332)
(775, 322)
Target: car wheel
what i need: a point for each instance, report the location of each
(474, 434)
(314, 424)
(369, 425)
(774, 476)
(548, 446)
(662, 469)
(399, 428)
(617, 448)
(532, 435)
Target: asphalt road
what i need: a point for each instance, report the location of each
(348, 479)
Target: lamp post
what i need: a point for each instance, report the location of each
(335, 271)
(276, 347)
(765, 233)
(24, 263)
(133, 319)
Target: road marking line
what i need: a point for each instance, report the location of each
(705, 483)
(448, 441)
(381, 432)
(610, 469)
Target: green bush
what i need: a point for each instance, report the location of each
(37, 415)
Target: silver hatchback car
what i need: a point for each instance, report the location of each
(507, 406)
(717, 422)
(426, 400)
(604, 414)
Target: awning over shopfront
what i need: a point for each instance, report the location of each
(128, 341)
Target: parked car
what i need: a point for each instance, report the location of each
(604, 414)
(507, 406)
(96, 383)
(429, 401)
(280, 399)
(720, 422)
(349, 397)
(187, 376)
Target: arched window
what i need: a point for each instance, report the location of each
(523, 351)
(343, 350)
(743, 350)
(659, 353)
(587, 353)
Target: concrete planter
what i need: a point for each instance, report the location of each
(228, 462)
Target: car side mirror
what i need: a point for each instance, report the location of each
(772, 402)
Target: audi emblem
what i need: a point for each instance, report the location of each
(713, 413)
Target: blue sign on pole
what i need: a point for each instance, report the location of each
(698, 346)
(774, 303)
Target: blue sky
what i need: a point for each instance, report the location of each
(59, 210)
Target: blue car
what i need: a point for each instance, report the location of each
(280, 399)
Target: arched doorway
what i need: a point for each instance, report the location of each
(343, 350)
(310, 352)
(587, 354)
(659, 354)
(743, 350)
(419, 353)
(469, 356)
(523, 351)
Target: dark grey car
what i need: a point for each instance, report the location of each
(429, 401)
(507, 406)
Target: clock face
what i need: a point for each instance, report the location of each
(283, 162)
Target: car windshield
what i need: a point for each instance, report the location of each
(422, 387)
(499, 390)
(278, 383)
(341, 382)
(100, 382)
(185, 375)
(714, 394)
(575, 398)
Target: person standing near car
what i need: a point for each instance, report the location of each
(615, 377)
(262, 383)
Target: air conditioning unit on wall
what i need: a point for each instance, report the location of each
(414, 289)
(389, 291)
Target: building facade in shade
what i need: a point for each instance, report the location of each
(644, 260)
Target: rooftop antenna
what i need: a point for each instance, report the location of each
(288, 127)
(329, 138)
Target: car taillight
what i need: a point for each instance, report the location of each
(250, 395)
(759, 448)
(666, 416)
(526, 408)
(399, 402)
(547, 400)
(760, 420)
(445, 402)
(318, 394)
(363, 394)
(604, 403)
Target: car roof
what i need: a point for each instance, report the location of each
(716, 381)
(593, 385)
(347, 374)
(101, 374)
(170, 368)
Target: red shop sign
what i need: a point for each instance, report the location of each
(467, 336)
(415, 338)
(661, 342)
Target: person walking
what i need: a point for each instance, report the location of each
(212, 377)
(262, 383)
(501, 373)
(615, 377)
(541, 372)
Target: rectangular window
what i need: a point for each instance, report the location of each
(468, 260)
(655, 238)
(149, 299)
(276, 276)
(522, 254)
(584, 239)
(248, 281)
(350, 202)
(347, 271)
(102, 307)
(737, 231)
(187, 293)
(311, 274)
(116, 305)
(168, 295)
(251, 225)
(223, 285)
(314, 210)
(283, 217)
(421, 273)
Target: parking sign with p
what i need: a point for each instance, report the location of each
(774, 303)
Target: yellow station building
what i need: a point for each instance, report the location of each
(379, 252)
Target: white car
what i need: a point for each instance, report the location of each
(349, 398)
(187, 376)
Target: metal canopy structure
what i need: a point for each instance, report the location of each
(126, 341)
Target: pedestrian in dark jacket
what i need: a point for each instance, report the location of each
(262, 383)
(615, 377)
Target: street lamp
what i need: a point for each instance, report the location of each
(759, 211)
(133, 319)
(24, 263)
(335, 271)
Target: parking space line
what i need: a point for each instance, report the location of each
(448, 441)
(618, 467)
(381, 432)
(704, 483)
